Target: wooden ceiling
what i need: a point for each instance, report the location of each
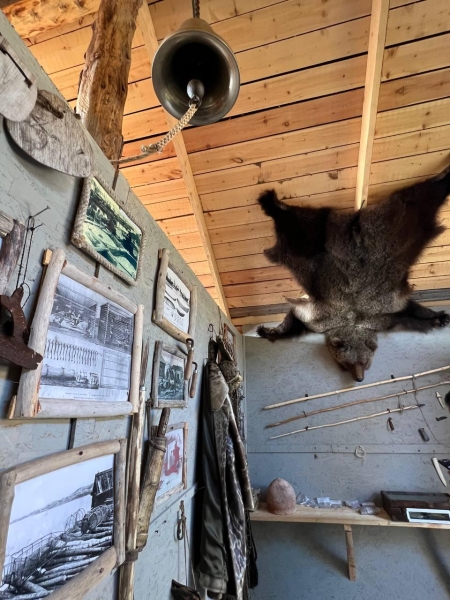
(296, 126)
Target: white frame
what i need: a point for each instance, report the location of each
(114, 556)
(183, 485)
(164, 403)
(28, 403)
(79, 240)
(158, 313)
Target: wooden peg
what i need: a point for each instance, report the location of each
(193, 388)
(190, 359)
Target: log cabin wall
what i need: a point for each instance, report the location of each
(26, 188)
(308, 561)
(296, 125)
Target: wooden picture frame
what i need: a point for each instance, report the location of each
(169, 389)
(164, 315)
(229, 340)
(91, 339)
(98, 214)
(78, 497)
(172, 485)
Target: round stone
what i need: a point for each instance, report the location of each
(280, 497)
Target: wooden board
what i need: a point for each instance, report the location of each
(54, 137)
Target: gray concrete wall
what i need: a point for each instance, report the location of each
(308, 562)
(26, 188)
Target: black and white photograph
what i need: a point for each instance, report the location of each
(177, 301)
(169, 389)
(60, 523)
(88, 351)
(106, 232)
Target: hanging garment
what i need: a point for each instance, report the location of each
(228, 492)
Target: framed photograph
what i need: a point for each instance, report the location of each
(176, 301)
(174, 470)
(91, 339)
(107, 232)
(62, 522)
(229, 340)
(169, 389)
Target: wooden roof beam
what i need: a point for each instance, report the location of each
(145, 24)
(377, 38)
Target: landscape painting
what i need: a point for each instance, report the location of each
(106, 232)
(60, 523)
(173, 475)
(177, 301)
(88, 351)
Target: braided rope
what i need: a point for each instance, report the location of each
(159, 146)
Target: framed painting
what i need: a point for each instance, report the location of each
(91, 339)
(107, 232)
(176, 301)
(62, 522)
(174, 471)
(169, 388)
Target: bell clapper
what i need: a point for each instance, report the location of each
(195, 91)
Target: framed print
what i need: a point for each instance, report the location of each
(107, 232)
(229, 340)
(174, 470)
(176, 301)
(62, 522)
(169, 388)
(91, 340)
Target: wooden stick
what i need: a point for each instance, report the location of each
(120, 462)
(152, 476)
(7, 485)
(136, 358)
(384, 412)
(366, 401)
(350, 552)
(126, 573)
(356, 388)
(377, 38)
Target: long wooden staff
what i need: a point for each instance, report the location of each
(126, 572)
(384, 412)
(152, 475)
(356, 388)
(366, 401)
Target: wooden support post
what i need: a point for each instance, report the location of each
(350, 552)
(104, 79)
(377, 38)
(145, 24)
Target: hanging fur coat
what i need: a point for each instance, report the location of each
(227, 490)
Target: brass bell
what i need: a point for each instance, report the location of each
(195, 52)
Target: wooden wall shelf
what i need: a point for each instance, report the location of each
(338, 516)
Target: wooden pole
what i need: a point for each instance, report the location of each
(384, 412)
(104, 79)
(377, 38)
(356, 388)
(304, 415)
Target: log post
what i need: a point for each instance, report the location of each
(104, 79)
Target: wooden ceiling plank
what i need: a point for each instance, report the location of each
(287, 19)
(418, 20)
(377, 37)
(185, 241)
(312, 185)
(388, 148)
(264, 299)
(417, 57)
(170, 209)
(430, 283)
(416, 89)
(252, 289)
(151, 43)
(160, 192)
(153, 172)
(178, 225)
(193, 255)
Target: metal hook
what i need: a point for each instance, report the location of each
(181, 527)
(40, 212)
